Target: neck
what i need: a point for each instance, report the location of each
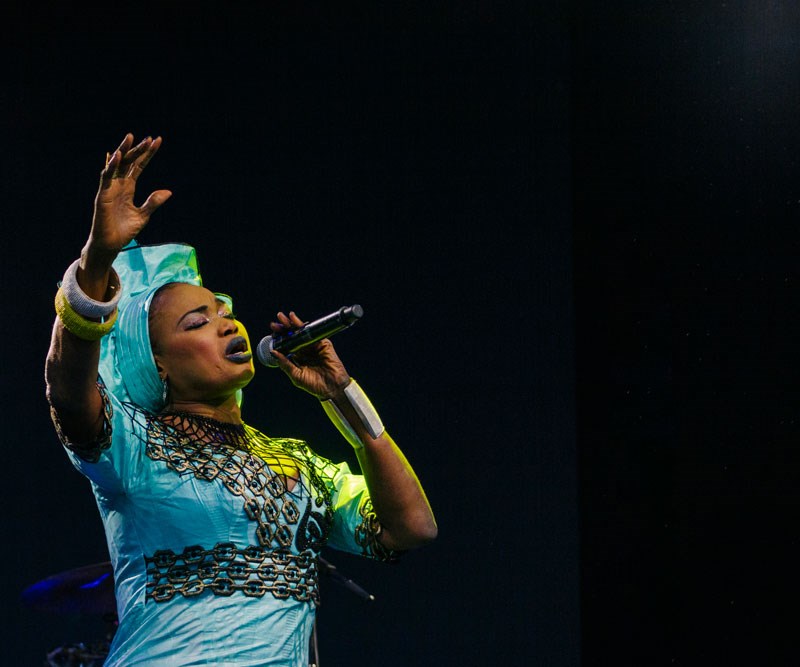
(227, 411)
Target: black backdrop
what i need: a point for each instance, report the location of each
(573, 230)
(415, 162)
(685, 194)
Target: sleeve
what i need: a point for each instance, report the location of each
(104, 459)
(355, 528)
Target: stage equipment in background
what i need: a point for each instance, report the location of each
(89, 590)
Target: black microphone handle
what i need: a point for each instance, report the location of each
(310, 333)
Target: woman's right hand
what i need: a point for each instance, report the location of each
(117, 220)
(72, 363)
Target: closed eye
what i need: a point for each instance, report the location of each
(197, 324)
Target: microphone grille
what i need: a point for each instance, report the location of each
(264, 352)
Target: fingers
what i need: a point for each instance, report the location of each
(144, 153)
(124, 147)
(286, 364)
(112, 163)
(154, 201)
(291, 321)
(127, 141)
(113, 159)
(285, 323)
(127, 161)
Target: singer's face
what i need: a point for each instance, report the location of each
(198, 345)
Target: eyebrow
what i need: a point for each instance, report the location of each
(199, 309)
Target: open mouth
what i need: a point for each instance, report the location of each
(237, 350)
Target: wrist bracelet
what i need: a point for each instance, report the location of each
(363, 408)
(79, 325)
(82, 304)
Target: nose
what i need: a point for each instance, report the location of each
(228, 327)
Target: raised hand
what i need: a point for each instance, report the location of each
(117, 220)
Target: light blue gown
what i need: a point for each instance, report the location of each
(214, 555)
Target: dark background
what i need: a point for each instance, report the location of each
(684, 154)
(572, 227)
(415, 162)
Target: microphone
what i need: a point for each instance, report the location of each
(309, 333)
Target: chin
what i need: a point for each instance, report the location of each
(246, 376)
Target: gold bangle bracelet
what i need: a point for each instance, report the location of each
(78, 325)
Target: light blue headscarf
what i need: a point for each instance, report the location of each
(127, 365)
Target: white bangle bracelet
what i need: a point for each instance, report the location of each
(363, 408)
(83, 304)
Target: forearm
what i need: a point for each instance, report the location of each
(94, 272)
(398, 498)
(71, 377)
(87, 301)
(397, 495)
(72, 364)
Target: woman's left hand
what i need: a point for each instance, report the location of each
(315, 368)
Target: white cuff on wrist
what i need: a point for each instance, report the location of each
(363, 408)
(80, 302)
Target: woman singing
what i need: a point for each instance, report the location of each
(213, 528)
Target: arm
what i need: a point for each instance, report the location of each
(71, 366)
(397, 495)
(398, 499)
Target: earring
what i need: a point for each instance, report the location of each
(164, 390)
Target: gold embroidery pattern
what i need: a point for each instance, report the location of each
(227, 569)
(210, 450)
(367, 533)
(284, 489)
(88, 451)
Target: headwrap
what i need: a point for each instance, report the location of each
(127, 366)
